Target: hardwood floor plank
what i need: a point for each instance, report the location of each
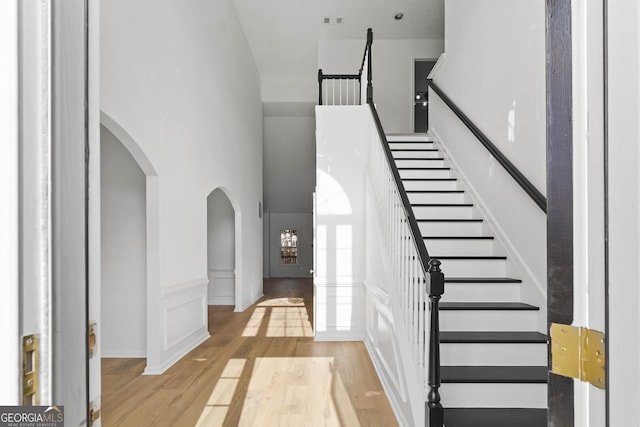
(259, 368)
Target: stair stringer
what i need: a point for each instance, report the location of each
(402, 378)
(533, 291)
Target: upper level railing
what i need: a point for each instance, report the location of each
(515, 173)
(347, 89)
(417, 276)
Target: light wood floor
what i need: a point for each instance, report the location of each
(259, 368)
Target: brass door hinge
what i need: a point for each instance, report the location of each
(578, 352)
(30, 363)
(92, 340)
(94, 412)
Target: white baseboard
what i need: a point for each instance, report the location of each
(249, 304)
(187, 347)
(221, 300)
(389, 390)
(123, 354)
(353, 335)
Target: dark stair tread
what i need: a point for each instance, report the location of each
(429, 179)
(495, 374)
(481, 280)
(442, 204)
(469, 257)
(458, 237)
(495, 417)
(494, 337)
(434, 191)
(506, 306)
(415, 149)
(450, 220)
(425, 159)
(422, 168)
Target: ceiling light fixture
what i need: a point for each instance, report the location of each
(398, 16)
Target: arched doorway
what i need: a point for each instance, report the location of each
(221, 249)
(123, 251)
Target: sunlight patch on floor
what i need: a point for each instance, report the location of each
(305, 391)
(221, 397)
(286, 317)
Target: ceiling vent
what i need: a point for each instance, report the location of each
(332, 20)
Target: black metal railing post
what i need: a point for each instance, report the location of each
(435, 413)
(369, 85)
(320, 86)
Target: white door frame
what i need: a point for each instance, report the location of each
(9, 291)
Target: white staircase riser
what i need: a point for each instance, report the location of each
(484, 292)
(443, 212)
(411, 145)
(416, 153)
(425, 173)
(494, 395)
(473, 267)
(492, 354)
(409, 137)
(461, 247)
(488, 320)
(420, 163)
(451, 228)
(430, 185)
(436, 197)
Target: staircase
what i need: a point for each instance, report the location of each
(494, 362)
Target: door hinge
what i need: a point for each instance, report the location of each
(30, 361)
(578, 352)
(94, 412)
(92, 340)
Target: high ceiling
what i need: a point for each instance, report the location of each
(284, 34)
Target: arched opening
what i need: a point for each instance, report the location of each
(123, 251)
(221, 249)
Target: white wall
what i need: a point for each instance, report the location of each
(340, 222)
(220, 249)
(124, 252)
(187, 90)
(9, 364)
(494, 70)
(392, 73)
(624, 219)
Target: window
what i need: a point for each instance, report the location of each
(288, 247)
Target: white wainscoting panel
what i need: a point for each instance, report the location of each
(338, 312)
(185, 323)
(222, 287)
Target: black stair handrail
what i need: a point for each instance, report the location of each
(515, 173)
(431, 266)
(434, 410)
(367, 50)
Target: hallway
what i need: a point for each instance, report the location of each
(260, 367)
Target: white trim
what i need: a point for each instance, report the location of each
(351, 335)
(256, 298)
(123, 354)
(180, 288)
(9, 300)
(190, 345)
(436, 67)
(389, 391)
(221, 300)
(167, 310)
(222, 273)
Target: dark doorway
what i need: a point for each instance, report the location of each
(422, 68)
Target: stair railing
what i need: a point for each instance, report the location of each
(417, 275)
(347, 89)
(511, 169)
